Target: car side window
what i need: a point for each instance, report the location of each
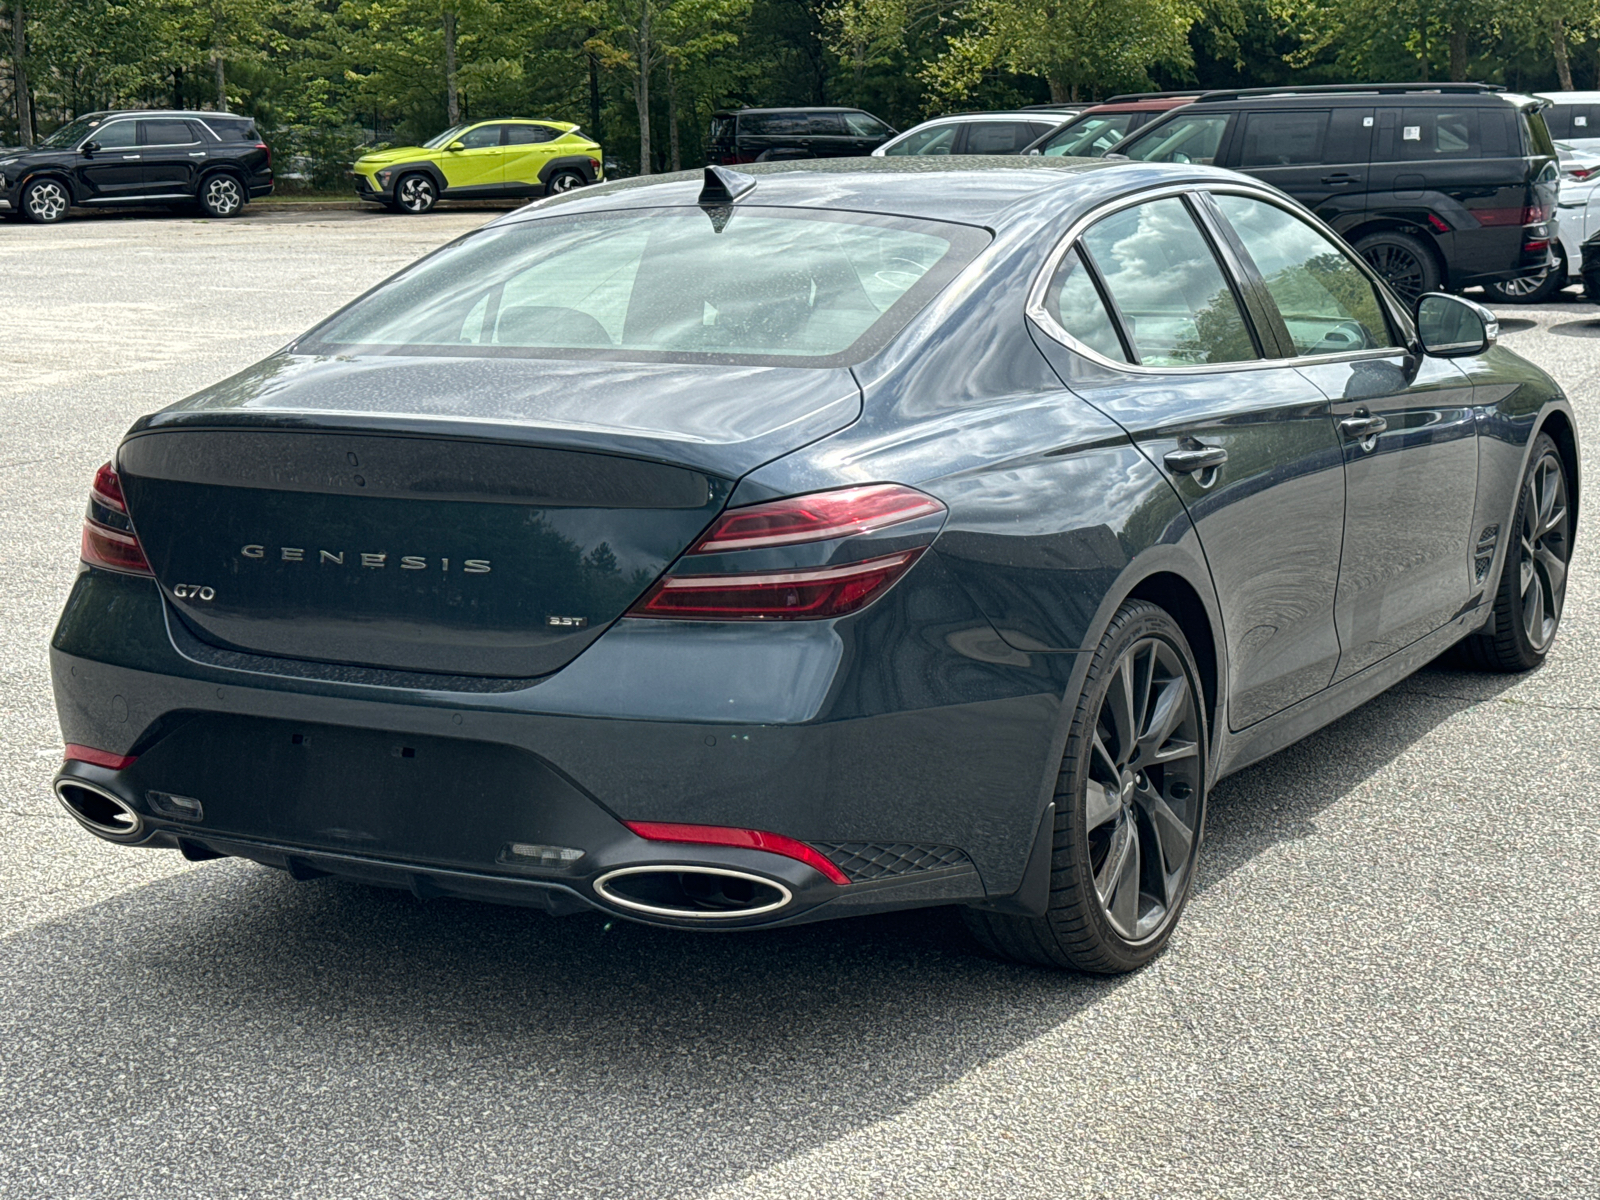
(482, 136)
(1075, 303)
(119, 135)
(1190, 138)
(1090, 136)
(1281, 139)
(934, 141)
(1176, 305)
(997, 137)
(529, 135)
(1425, 134)
(165, 133)
(824, 125)
(1329, 306)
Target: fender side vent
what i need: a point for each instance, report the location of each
(863, 861)
(1483, 553)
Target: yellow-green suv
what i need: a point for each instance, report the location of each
(510, 158)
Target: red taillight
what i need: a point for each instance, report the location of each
(805, 595)
(268, 149)
(99, 758)
(816, 518)
(1530, 215)
(809, 593)
(1578, 173)
(108, 488)
(750, 839)
(103, 544)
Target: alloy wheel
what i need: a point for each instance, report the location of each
(1518, 288)
(48, 201)
(1399, 267)
(1144, 789)
(1546, 546)
(566, 181)
(223, 196)
(416, 194)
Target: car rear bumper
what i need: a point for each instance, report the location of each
(919, 804)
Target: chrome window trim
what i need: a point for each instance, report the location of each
(107, 124)
(1040, 315)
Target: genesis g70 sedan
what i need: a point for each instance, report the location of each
(757, 548)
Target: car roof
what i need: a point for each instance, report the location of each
(1569, 97)
(986, 190)
(788, 108)
(522, 121)
(1037, 118)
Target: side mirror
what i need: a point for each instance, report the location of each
(1035, 153)
(1451, 327)
(455, 146)
(89, 148)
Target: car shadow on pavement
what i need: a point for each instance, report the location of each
(252, 1033)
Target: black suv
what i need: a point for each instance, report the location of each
(763, 134)
(1437, 185)
(215, 160)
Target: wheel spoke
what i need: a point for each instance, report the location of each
(1555, 572)
(1102, 804)
(1123, 718)
(1106, 762)
(1119, 893)
(1166, 714)
(1170, 831)
(1171, 752)
(1533, 614)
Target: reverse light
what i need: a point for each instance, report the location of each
(817, 517)
(108, 539)
(749, 839)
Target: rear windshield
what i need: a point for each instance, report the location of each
(766, 285)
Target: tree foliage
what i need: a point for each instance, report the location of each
(324, 77)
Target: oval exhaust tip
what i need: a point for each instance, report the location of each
(692, 893)
(98, 810)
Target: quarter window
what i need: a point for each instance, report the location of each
(1075, 303)
(1089, 137)
(1175, 303)
(862, 125)
(1329, 306)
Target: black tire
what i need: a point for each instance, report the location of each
(1141, 703)
(564, 181)
(1404, 261)
(1532, 588)
(415, 194)
(222, 196)
(46, 201)
(1533, 289)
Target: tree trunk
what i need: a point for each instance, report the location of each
(177, 87)
(1558, 44)
(1458, 50)
(672, 117)
(19, 52)
(641, 88)
(1060, 90)
(1422, 28)
(594, 90)
(218, 41)
(452, 101)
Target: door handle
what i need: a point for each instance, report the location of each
(1341, 177)
(127, 157)
(1185, 462)
(1361, 428)
(197, 154)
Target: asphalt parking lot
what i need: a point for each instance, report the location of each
(1387, 983)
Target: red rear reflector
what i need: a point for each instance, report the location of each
(1440, 225)
(750, 839)
(99, 758)
(817, 517)
(811, 594)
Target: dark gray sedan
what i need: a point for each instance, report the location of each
(738, 550)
